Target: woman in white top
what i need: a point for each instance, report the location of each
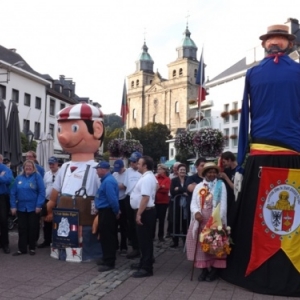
(213, 192)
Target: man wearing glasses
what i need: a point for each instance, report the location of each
(49, 179)
(31, 155)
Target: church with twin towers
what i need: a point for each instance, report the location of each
(152, 98)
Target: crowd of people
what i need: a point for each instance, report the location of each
(132, 204)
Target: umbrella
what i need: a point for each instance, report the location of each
(41, 155)
(50, 146)
(44, 150)
(14, 136)
(4, 146)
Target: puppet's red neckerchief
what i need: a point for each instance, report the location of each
(276, 56)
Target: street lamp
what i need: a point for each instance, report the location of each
(9, 67)
(30, 136)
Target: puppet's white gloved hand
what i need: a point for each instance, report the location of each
(237, 185)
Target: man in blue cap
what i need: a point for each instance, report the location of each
(107, 203)
(132, 176)
(49, 179)
(119, 175)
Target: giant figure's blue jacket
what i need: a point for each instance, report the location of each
(27, 193)
(272, 99)
(5, 179)
(108, 194)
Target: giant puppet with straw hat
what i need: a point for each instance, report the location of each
(266, 256)
(80, 132)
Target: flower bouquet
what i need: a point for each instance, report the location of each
(217, 241)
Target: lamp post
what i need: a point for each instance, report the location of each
(30, 136)
(9, 67)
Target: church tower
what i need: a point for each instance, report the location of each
(153, 98)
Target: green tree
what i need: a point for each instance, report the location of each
(153, 137)
(112, 122)
(25, 144)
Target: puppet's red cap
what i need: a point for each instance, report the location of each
(82, 111)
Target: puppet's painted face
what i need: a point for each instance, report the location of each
(74, 137)
(276, 43)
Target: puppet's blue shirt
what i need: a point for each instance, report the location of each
(272, 100)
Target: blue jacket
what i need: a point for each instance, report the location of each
(27, 193)
(5, 179)
(108, 194)
(272, 100)
(40, 169)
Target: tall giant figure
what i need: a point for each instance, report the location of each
(80, 133)
(272, 102)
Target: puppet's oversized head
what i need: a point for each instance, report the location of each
(80, 130)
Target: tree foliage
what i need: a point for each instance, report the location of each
(25, 144)
(153, 137)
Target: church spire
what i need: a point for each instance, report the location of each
(145, 62)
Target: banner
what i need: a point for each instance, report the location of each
(277, 217)
(65, 228)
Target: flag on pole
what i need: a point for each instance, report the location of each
(200, 80)
(124, 106)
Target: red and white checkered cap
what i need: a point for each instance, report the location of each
(82, 111)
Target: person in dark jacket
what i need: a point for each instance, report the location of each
(180, 208)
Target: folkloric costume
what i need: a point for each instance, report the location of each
(272, 98)
(209, 198)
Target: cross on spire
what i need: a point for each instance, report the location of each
(187, 19)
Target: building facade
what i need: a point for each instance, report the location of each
(39, 97)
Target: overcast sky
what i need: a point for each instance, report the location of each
(96, 42)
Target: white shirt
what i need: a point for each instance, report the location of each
(48, 181)
(131, 178)
(146, 186)
(73, 180)
(195, 203)
(120, 179)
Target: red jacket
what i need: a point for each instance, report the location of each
(162, 194)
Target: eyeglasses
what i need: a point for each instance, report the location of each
(53, 178)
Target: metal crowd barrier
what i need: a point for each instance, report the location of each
(180, 216)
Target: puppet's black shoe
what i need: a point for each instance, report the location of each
(212, 275)
(203, 274)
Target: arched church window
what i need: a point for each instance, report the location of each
(180, 72)
(174, 73)
(137, 83)
(195, 73)
(132, 84)
(176, 107)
